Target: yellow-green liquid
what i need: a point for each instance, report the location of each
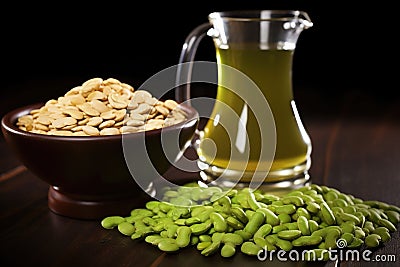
(271, 70)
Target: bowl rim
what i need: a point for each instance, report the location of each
(9, 119)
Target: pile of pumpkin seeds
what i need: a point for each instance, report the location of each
(102, 107)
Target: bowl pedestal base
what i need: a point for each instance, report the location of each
(79, 208)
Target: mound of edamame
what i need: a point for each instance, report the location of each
(214, 219)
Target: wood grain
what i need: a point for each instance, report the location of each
(355, 149)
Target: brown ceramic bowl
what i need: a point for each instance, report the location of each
(91, 177)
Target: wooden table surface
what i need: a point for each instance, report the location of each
(356, 149)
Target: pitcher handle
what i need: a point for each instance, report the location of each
(184, 74)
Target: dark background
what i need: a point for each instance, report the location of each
(48, 49)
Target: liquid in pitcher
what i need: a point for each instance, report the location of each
(271, 72)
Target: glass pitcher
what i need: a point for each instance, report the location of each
(258, 44)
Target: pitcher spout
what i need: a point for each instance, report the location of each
(300, 21)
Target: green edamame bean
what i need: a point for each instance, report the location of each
(245, 235)
(339, 203)
(374, 203)
(307, 199)
(159, 227)
(349, 217)
(149, 221)
(168, 245)
(153, 239)
(239, 214)
(241, 198)
(171, 230)
(180, 222)
(295, 200)
(393, 216)
(178, 212)
(253, 203)
(394, 208)
(359, 232)
(331, 237)
(276, 203)
(249, 213)
(374, 216)
(291, 226)
(364, 212)
(313, 207)
(348, 227)
(307, 241)
(192, 220)
(263, 231)
(228, 250)
(270, 198)
(316, 188)
(302, 224)
(361, 217)
(218, 222)
(225, 204)
(330, 196)
(255, 222)
(294, 193)
(211, 249)
(234, 223)
(201, 228)
(320, 232)
(327, 215)
(350, 209)
(196, 211)
(383, 232)
(284, 244)
(348, 237)
(311, 192)
(270, 217)
(126, 228)
(313, 225)
(232, 238)
(163, 234)
(368, 225)
(205, 215)
(263, 243)
(348, 198)
(112, 221)
(323, 231)
(289, 234)
(217, 237)
(203, 245)
(336, 210)
(165, 206)
(284, 218)
(287, 209)
(386, 223)
(250, 248)
(152, 205)
(372, 240)
(204, 238)
(183, 236)
(278, 228)
(301, 212)
(356, 243)
(142, 212)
